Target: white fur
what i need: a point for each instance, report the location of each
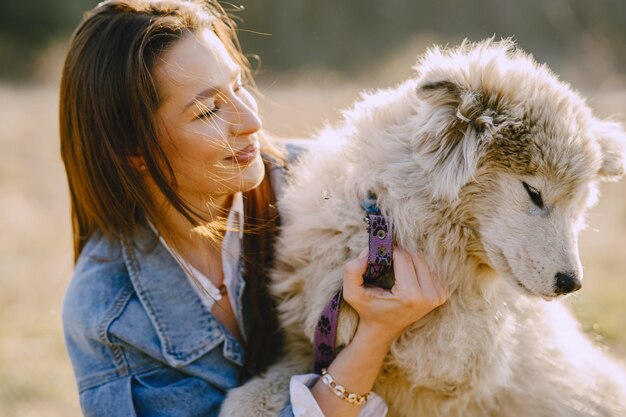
(446, 152)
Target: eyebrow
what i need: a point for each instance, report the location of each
(209, 92)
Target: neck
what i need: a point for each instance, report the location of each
(196, 244)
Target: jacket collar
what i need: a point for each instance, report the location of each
(185, 328)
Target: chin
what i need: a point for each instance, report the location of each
(252, 175)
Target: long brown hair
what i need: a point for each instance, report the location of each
(108, 102)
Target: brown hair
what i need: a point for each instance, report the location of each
(108, 102)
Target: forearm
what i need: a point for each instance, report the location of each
(355, 368)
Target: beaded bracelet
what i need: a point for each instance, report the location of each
(340, 391)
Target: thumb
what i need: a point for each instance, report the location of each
(353, 270)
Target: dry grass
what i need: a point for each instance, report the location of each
(36, 377)
(36, 258)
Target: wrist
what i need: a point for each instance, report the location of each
(375, 334)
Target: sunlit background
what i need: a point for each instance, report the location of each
(315, 56)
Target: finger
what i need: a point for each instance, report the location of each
(443, 288)
(354, 269)
(440, 292)
(424, 276)
(403, 270)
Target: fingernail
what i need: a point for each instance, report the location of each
(363, 254)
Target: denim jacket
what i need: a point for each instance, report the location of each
(140, 340)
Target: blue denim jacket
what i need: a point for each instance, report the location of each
(139, 338)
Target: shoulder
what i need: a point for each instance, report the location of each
(100, 278)
(294, 148)
(98, 293)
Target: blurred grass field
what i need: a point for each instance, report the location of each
(36, 262)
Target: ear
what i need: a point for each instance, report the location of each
(612, 140)
(459, 126)
(138, 163)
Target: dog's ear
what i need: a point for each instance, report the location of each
(612, 140)
(458, 126)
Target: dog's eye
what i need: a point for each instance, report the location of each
(534, 195)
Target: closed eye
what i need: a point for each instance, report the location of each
(207, 113)
(534, 194)
(206, 110)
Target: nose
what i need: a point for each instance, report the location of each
(567, 282)
(245, 120)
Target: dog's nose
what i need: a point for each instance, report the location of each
(567, 282)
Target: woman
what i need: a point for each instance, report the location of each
(173, 222)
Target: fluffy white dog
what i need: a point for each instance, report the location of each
(487, 163)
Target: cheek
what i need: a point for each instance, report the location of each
(206, 132)
(501, 215)
(203, 142)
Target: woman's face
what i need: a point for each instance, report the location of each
(207, 120)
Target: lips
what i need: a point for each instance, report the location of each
(246, 154)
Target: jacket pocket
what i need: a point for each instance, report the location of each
(161, 377)
(170, 393)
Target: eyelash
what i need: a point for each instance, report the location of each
(207, 114)
(534, 194)
(211, 112)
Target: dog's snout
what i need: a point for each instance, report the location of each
(567, 282)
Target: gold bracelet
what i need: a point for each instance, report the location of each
(340, 391)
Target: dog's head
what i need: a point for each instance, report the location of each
(520, 151)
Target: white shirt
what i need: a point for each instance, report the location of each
(303, 403)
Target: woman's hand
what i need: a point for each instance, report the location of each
(383, 315)
(386, 313)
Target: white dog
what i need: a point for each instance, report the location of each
(486, 162)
